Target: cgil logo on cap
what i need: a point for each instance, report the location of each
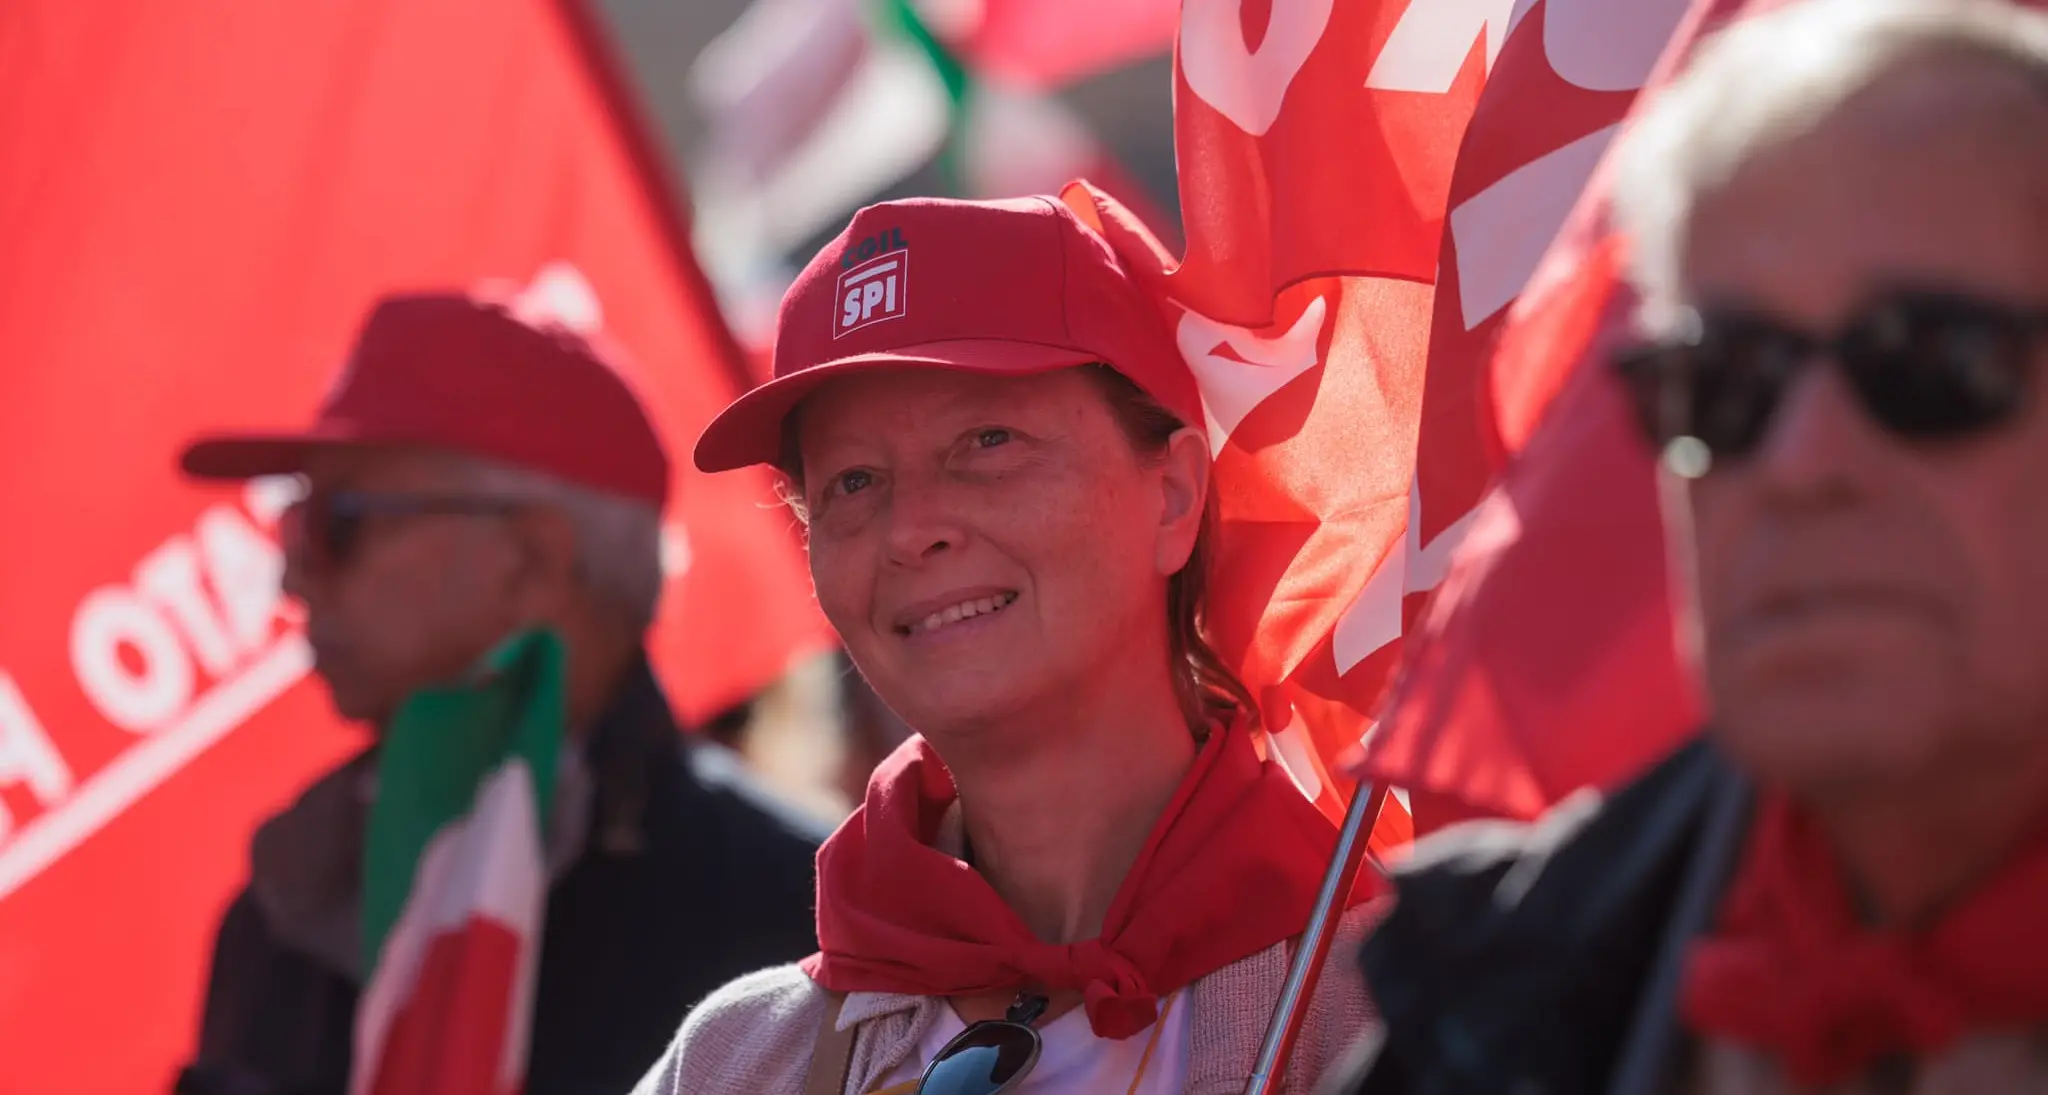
(874, 289)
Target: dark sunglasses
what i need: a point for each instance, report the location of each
(991, 1057)
(329, 525)
(1924, 366)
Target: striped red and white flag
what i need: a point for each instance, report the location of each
(1366, 188)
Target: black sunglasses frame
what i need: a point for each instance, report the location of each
(330, 524)
(957, 1073)
(1925, 366)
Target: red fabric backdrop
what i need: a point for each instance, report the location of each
(198, 200)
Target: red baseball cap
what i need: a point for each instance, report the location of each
(1007, 287)
(466, 375)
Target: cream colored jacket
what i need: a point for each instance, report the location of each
(754, 1036)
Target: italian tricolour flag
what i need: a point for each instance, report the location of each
(455, 888)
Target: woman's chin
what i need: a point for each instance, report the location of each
(960, 703)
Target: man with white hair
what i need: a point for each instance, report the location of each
(1840, 226)
(475, 473)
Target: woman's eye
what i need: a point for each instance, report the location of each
(992, 437)
(852, 482)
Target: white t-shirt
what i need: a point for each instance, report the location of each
(1073, 1061)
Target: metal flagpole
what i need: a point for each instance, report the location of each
(1300, 986)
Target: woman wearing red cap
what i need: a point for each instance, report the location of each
(1081, 876)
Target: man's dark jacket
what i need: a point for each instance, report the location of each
(687, 878)
(1542, 959)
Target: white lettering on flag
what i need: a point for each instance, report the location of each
(1434, 37)
(1245, 85)
(169, 576)
(112, 621)
(144, 765)
(244, 567)
(211, 597)
(27, 755)
(1233, 386)
(1374, 618)
(1608, 45)
(1503, 231)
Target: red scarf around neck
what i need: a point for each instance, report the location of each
(1791, 971)
(1231, 868)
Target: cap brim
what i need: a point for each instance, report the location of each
(750, 430)
(254, 455)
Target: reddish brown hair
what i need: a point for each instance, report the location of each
(1209, 689)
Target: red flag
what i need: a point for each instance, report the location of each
(199, 202)
(1315, 143)
(1359, 217)
(1547, 662)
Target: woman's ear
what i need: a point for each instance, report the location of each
(1184, 488)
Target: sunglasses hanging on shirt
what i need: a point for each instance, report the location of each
(1925, 366)
(990, 1057)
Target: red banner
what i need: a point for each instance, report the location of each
(1546, 662)
(1366, 187)
(1316, 142)
(199, 200)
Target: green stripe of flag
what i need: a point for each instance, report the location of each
(900, 18)
(437, 752)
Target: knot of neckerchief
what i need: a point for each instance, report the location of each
(1791, 968)
(897, 914)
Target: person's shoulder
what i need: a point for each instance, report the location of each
(769, 995)
(1252, 973)
(1489, 868)
(753, 1035)
(1341, 1007)
(1519, 948)
(1230, 1009)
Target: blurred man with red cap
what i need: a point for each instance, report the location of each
(477, 471)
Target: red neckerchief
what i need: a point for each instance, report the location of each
(1792, 972)
(1231, 868)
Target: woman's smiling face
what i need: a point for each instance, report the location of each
(985, 545)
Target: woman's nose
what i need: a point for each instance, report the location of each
(923, 522)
